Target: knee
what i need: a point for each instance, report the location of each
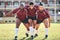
(30, 21)
(46, 26)
(35, 22)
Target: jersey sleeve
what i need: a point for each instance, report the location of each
(15, 10)
(36, 7)
(26, 12)
(47, 13)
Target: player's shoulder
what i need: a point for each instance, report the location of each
(26, 6)
(25, 9)
(16, 9)
(45, 10)
(38, 10)
(36, 7)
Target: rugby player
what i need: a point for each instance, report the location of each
(42, 16)
(31, 17)
(21, 16)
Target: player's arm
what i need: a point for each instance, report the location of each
(37, 14)
(11, 12)
(8, 14)
(26, 13)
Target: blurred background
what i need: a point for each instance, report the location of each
(8, 5)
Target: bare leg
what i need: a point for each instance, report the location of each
(34, 23)
(36, 31)
(30, 22)
(27, 27)
(37, 26)
(46, 23)
(17, 27)
(31, 27)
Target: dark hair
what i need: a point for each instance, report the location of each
(40, 4)
(31, 3)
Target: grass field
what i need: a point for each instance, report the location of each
(7, 32)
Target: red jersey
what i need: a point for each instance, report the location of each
(31, 12)
(36, 6)
(26, 7)
(42, 14)
(21, 13)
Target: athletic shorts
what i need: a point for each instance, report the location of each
(24, 21)
(33, 18)
(39, 21)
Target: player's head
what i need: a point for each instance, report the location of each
(41, 6)
(31, 4)
(21, 6)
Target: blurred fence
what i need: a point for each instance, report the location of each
(13, 19)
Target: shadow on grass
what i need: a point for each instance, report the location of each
(22, 38)
(29, 38)
(44, 38)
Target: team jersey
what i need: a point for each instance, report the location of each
(26, 7)
(21, 13)
(36, 6)
(42, 14)
(31, 12)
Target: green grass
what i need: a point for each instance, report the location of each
(7, 32)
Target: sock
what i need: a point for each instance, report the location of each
(31, 30)
(27, 32)
(46, 30)
(36, 31)
(16, 32)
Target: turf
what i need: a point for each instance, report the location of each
(7, 32)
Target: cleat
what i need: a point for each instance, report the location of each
(46, 36)
(27, 35)
(15, 38)
(32, 36)
(36, 35)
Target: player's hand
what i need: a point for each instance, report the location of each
(4, 15)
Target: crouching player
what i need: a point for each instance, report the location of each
(42, 16)
(21, 16)
(31, 17)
